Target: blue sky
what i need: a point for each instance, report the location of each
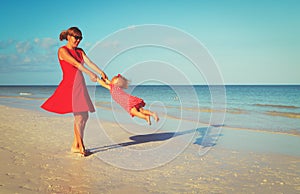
(253, 42)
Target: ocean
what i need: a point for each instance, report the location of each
(274, 108)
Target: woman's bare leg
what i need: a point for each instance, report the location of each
(148, 112)
(141, 115)
(80, 120)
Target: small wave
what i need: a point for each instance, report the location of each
(236, 111)
(277, 106)
(284, 114)
(104, 107)
(25, 94)
(103, 103)
(24, 97)
(295, 132)
(206, 121)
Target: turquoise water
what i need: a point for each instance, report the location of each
(271, 107)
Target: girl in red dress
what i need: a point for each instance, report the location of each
(132, 104)
(71, 95)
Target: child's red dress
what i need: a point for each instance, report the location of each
(71, 94)
(125, 100)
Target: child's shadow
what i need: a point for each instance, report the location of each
(202, 139)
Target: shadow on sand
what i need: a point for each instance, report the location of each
(203, 138)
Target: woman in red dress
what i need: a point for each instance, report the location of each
(132, 104)
(71, 95)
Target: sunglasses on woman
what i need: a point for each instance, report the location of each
(78, 37)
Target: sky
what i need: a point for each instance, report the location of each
(251, 41)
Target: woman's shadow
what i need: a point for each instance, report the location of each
(202, 139)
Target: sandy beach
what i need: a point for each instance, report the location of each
(36, 158)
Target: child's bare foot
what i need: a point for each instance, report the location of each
(148, 120)
(156, 118)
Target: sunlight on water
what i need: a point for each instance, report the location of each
(272, 108)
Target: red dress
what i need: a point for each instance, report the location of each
(125, 100)
(71, 94)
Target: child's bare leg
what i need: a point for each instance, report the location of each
(148, 112)
(141, 115)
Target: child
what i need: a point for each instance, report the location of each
(132, 104)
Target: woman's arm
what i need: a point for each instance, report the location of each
(64, 54)
(92, 65)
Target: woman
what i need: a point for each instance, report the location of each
(71, 96)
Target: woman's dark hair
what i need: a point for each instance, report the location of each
(73, 31)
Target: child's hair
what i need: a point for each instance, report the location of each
(120, 81)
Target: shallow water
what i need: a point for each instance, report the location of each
(273, 108)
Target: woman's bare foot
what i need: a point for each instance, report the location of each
(156, 118)
(85, 153)
(81, 151)
(75, 148)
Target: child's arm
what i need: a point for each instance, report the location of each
(103, 83)
(106, 81)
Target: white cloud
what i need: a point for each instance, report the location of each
(46, 43)
(27, 60)
(5, 60)
(24, 47)
(29, 55)
(5, 44)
